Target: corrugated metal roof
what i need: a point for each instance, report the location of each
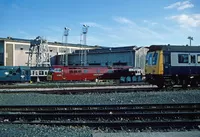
(109, 49)
(50, 43)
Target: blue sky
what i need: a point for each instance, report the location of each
(112, 22)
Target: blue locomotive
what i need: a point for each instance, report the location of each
(14, 74)
(169, 65)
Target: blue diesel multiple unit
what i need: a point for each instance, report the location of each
(169, 65)
(15, 74)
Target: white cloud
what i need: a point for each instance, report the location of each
(22, 32)
(96, 25)
(136, 30)
(180, 5)
(150, 22)
(184, 20)
(123, 20)
(114, 36)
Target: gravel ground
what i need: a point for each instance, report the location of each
(97, 98)
(42, 131)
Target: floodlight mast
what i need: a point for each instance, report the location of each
(65, 43)
(190, 39)
(84, 32)
(66, 34)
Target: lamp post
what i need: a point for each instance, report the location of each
(190, 38)
(85, 30)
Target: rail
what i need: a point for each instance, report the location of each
(114, 116)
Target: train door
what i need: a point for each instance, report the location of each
(167, 63)
(193, 63)
(65, 71)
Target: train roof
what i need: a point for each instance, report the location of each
(14, 67)
(85, 67)
(174, 48)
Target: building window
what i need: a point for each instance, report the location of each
(183, 58)
(193, 59)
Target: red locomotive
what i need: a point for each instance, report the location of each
(92, 73)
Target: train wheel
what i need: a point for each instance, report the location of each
(134, 79)
(122, 79)
(194, 83)
(169, 86)
(184, 83)
(170, 83)
(128, 79)
(160, 85)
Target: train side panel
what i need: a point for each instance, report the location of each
(13, 74)
(67, 73)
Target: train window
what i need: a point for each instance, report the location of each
(110, 71)
(150, 59)
(36, 73)
(193, 59)
(71, 71)
(33, 72)
(183, 58)
(198, 58)
(23, 72)
(46, 72)
(154, 59)
(57, 69)
(98, 70)
(27, 72)
(147, 57)
(75, 71)
(41, 73)
(85, 71)
(79, 71)
(18, 70)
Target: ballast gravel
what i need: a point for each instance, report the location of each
(14, 130)
(6, 130)
(185, 96)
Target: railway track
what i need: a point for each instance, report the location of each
(123, 87)
(131, 116)
(79, 90)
